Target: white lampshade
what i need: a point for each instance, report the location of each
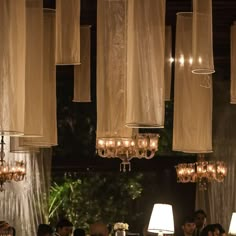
(232, 226)
(161, 221)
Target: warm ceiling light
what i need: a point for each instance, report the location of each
(201, 172)
(141, 146)
(9, 172)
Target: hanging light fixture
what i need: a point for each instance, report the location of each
(201, 172)
(10, 172)
(141, 146)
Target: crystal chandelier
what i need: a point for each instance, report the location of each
(201, 172)
(141, 146)
(9, 172)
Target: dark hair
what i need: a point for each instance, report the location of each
(64, 223)
(219, 227)
(188, 219)
(44, 229)
(79, 232)
(200, 211)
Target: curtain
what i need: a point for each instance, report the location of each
(24, 204)
(111, 69)
(145, 63)
(233, 61)
(68, 32)
(49, 87)
(202, 37)
(82, 71)
(192, 129)
(168, 61)
(12, 69)
(219, 200)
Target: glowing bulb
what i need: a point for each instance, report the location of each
(181, 60)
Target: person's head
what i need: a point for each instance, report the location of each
(98, 229)
(64, 227)
(188, 226)
(44, 230)
(218, 230)
(79, 232)
(200, 218)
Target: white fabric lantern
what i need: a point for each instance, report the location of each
(168, 62)
(145, 63)
(12, 70)
(82, 71)
(49, 137)
(202, 37)
(111, 69)
(67, 32)
(192, 131)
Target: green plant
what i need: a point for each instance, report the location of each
(96, 197)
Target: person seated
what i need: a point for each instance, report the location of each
(98, 229)
(213, 230)
(188, 226)
(64, 228)
(44, 230)
(200, 221)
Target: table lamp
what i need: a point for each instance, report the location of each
(232, 226)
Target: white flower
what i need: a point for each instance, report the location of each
(121, 226)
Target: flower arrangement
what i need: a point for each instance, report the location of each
(121, 226)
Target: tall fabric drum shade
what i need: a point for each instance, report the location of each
(49, 86)
(145, 63)
(111, 69)
(67, 32)
(202, 37)
(168, 62)
(34, 69)
(82, 74)
(12, 70)
(233, 62)
(192, 130)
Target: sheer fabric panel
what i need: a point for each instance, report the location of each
(111, 69)
(168, 62)
(68, 32)
(24, 205)
(220, 198)
(192, 131)
(145, 63)
(202, 37)
(34, 69)
(12, 70)
(233, 62)
(82, 72)
(49, 87)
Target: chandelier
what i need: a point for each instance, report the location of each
(140, 146)
(9, 172)
(201, 172)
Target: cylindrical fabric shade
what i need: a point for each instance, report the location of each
(233, 63)
(34, 69)
(168, 61)
(202, 37)
(145, 63)
(111, 69)
(12, 70)
(49, 86)
(192, 131)
(67, 32)
(17, 146)
(82, 72)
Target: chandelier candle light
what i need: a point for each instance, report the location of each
(10, 172)
(201, 172)
(141, 146)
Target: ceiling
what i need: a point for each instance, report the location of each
(77, 121)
